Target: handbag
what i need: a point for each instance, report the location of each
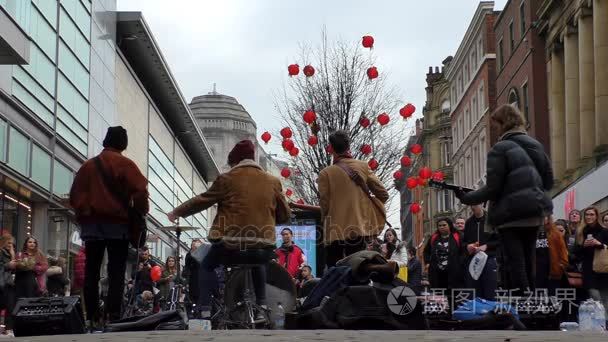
(575, 279)
(137, 221)
(600, 260)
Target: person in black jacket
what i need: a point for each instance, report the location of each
(588, 239)
(519, 175)
(443, 253)
(414, 271)
(190, 272)
(477, 239)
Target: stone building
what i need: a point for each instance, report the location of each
(521, 78)
(436, 140)
(472, 77)
(576, 36)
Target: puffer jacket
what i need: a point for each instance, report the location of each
(519, 176)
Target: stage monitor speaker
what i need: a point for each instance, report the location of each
(48, 316)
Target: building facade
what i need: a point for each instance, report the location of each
(472, 77)
(56, 103)
(521, 78)
(576, 37)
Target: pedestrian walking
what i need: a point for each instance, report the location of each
(589, 238)
(352, 202)
(105, 190)
(477, 240)
(290, 255)
(519, 176)
(443, 255)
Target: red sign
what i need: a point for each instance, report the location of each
(569, 203)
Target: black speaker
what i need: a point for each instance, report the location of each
(48, 316)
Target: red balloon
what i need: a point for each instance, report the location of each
(416, 149)
(294, 152)
(373, 164)
(407, 111)
(364, 122)
(425, 173)
(372, 73)
(293, 69)
(313, 140)
(329, 149)
(383, 119)
(406, 161)
(415, 208)
(288, 145)
(289, 192)
(438, 176)
(411, 182)
(398, 175)
(309, 71)
(309, 116)
(266, 137)
(285, 172)
(366, 149)
(156, 273)
(421, 181)
(286, 133)
(368, 42)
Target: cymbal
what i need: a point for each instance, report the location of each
(178, 228)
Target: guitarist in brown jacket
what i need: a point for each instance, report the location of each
(99, 195)
(352, 202)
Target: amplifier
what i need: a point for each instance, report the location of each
(48, 316)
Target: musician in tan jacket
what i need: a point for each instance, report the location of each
(351, 217)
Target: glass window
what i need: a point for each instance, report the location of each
(500, 55)
(41, 69)
(79, 14)
(41, 167)
(19, 10)
(164, 160)
(48, 10)
(73, 101)
(33, 87)
(73, 69)
(482, 100)
(19, 152)
(72, 36)
(480, 51)
(511, 39)
(522, 18)
(62, 179)
(66, 133)
(74, 125)
(33, 104)
(43, 34)
(526, 109)
(3, 128)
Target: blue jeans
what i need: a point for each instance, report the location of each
(485, 286)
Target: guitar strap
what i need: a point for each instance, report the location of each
(360, 182)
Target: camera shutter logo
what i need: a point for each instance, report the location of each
(401, 300)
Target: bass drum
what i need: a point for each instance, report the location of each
(280, 288)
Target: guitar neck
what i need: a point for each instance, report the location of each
(446, 186)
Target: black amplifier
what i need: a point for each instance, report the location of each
(48, 316)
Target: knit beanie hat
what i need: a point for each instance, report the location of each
(244, 149)
(116, 138)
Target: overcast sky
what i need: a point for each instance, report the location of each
(245, 45)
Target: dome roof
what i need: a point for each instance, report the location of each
(219, 106)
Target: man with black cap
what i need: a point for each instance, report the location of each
(104, 219)
(250, 204)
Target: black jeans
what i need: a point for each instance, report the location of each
(485, 286)
(519, 246)
(340, 249)
(117, 264)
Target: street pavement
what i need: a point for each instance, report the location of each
(328, 335)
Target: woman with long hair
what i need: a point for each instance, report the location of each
(574, 221)
(605, 220)
(30, 275)
(393, 249)
(519, 177)
(168, 279)
(443, 253)
(589, 238)
(7, 266)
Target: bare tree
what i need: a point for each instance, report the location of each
(341, 95)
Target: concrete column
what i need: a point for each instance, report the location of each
(572, 99)
(557, 114)
(600, 43)
(587, 84)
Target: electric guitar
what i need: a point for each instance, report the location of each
(445, 186)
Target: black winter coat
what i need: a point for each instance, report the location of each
(455, 260)
(519, 175)
(474, 229)
(592, 280)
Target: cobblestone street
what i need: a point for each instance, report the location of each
(329, 335)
